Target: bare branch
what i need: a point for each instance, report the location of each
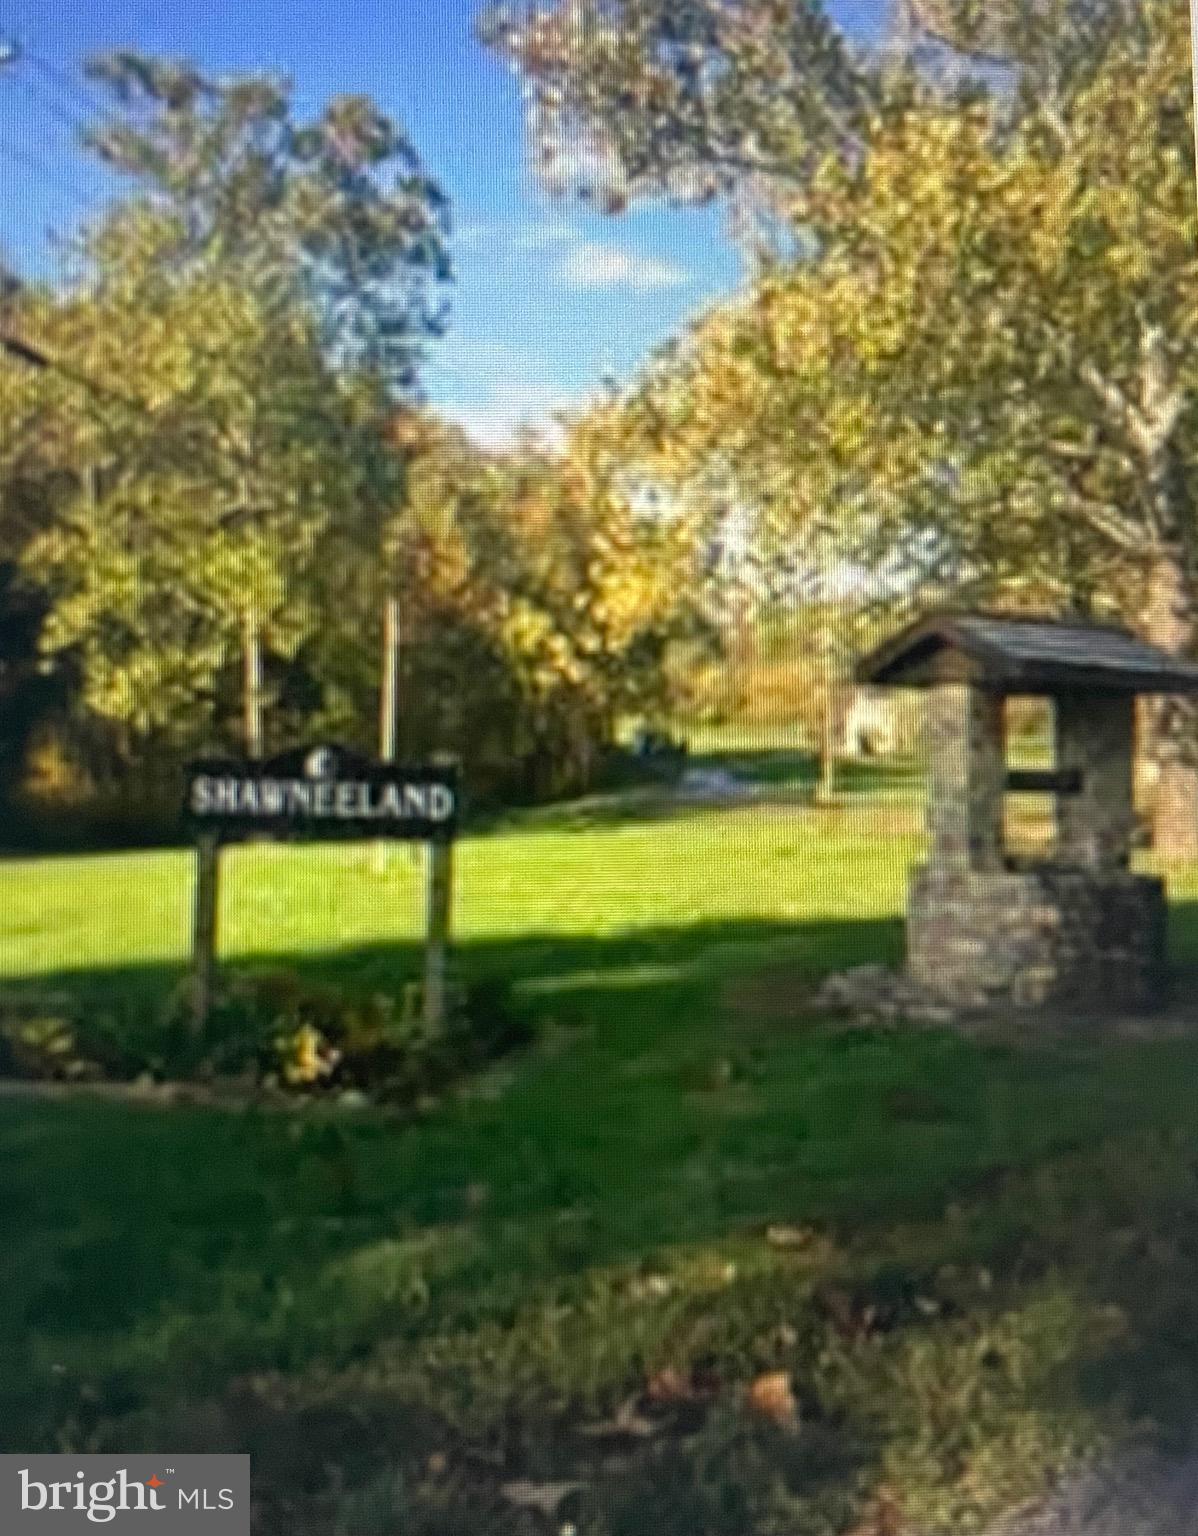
(1125, 533)
(1111, 395)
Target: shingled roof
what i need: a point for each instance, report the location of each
(1024, 655)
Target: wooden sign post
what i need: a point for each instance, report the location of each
(323, 792)
(436, 938)
(203, 948)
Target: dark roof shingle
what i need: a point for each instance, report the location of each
(1033, 654)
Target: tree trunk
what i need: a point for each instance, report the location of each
(389, 688)
(388, 709)
(826, 790)
(251, 644)
(1169, 748)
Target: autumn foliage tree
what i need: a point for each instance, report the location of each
(540, 601)
(211, 427)
(204, 485)
(974, 340)
(336, 210)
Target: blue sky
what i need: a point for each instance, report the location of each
(548, 297)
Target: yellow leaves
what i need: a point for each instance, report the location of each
(306, 1057)
(963, 277)
(771, 1397)
(51, 774)
(545, 653)
(576, 572)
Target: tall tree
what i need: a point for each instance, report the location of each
(334, 235)
(1044, 283)
(702, 98)
(986, 329)
(201, 483)
(340, 206)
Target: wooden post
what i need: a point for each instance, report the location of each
(251, 641)
(203, 954)
(389, 687)
(825, 793)
(436, 943)
(388, 709)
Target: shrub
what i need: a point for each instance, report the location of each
(307, 1039)
(272, 1029)
(39, 1040)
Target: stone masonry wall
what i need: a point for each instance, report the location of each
(967, 775)
(1095, 735)
(1052, 936)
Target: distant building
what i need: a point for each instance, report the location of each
(870, 724)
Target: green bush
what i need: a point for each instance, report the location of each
(273, 1030)
(39, 1040)
(310, 1040)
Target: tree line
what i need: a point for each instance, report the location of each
(228, 522)
(961, 369)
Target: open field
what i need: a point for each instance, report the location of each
(971, 1259)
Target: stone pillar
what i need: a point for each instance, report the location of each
(967, 777)
(1095, 736)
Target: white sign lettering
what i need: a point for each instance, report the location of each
(349, 800)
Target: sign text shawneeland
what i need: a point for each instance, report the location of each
(324, 792)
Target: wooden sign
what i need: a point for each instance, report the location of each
(323, 792)
(1044, 781)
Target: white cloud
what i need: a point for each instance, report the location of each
(607, 266)
(493, 390)
(514, 237)
(496, 420)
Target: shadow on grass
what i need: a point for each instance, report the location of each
(1183, 949)
(155, 1255)
(647, 964)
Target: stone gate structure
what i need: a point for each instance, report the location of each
(1077, 928)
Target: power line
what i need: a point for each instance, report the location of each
(48, 104)
(43, 103)
(14, 53)
(23, 352)
(45, 170)
(68, 99)
(98, 394)
(81, 96)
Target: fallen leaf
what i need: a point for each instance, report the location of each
(789, 1237)
(782, 1337)
(545, 1498)
(626, 1421)
(650, 1287)
(673, 1386)
(851, 1318)
(771, 1397)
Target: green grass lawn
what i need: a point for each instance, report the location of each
(971, 1260)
